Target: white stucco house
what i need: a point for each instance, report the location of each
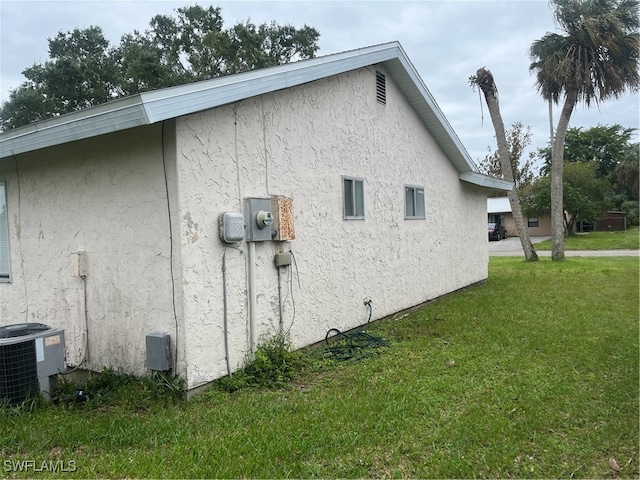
(111, 217)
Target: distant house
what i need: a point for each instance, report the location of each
(499, 211)
(215, 214)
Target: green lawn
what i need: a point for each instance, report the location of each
(629, 240)
(533, 374)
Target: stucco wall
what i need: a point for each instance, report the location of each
(299, 143)
(105, 196)
(543, 228)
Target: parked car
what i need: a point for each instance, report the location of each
(496, 231)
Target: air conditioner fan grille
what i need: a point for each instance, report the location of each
(18, 372)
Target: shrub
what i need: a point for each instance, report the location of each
(273, 366)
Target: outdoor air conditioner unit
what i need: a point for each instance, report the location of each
(31, 355)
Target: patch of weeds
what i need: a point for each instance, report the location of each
(274, 365)
(110, 387)
(26, 407)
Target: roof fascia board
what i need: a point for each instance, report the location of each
(486, 181)
(159, 105)
(426, 94)
(107, 118)
(185, 99)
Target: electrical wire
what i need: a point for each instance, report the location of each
(280, 308)
(235, 154)
(173, 281)
(293, 300)
(264, 145)
(19, 235)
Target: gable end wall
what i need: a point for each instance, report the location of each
(299, 143)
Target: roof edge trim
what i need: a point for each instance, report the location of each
(106, 118)
(431, 101)
(486, 181)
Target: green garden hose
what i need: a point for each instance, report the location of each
(357, 345)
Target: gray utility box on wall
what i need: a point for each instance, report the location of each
(231, 226)
(158, 351)
(258, 219)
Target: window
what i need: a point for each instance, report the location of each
(413, 202)
(353, 198)
(532, 222)
(496, 218)
(4, 235)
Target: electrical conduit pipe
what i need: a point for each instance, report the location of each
(252, 296)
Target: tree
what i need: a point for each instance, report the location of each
(626, 179)
(79, 74)
(585, 195)
(604, 145)
(594, 60)
(484, 80)
(626, 174)
(85, 70)
(518, 139)
(615, 157)
(192, 45)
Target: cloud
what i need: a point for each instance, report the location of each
(446, 41)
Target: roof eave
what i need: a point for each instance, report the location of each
(486, 181)
(106, 118)
(435, 120)
(159, 105)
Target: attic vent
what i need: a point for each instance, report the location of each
(381, 88)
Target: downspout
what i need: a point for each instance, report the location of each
(252, 296)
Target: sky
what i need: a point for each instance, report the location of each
(446, 40)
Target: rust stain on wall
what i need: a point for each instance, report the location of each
(282, 208)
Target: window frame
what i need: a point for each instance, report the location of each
(5, 277)
(348, 215)
(416, 214)
(533, 222)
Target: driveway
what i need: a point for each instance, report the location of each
(510, 247)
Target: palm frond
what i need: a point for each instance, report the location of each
(597, 54)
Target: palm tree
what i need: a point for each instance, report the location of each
(484, 80)
(595, 59)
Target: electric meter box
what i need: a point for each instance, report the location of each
(231, 227)
(258, 219)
